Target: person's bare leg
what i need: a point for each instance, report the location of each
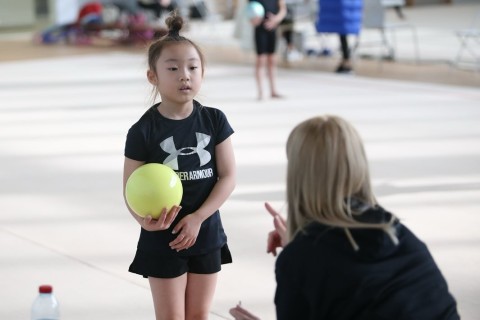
(271, 72)
(259, 66)
(169, 297)
(199, 295)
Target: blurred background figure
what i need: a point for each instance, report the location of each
(265, 35)
(287, 28)
(344, 18)
(396, 5)
(243, 28)
(158, 7)
(104, 22)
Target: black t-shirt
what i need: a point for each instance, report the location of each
(188, 147)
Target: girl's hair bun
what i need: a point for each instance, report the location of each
(174, 23)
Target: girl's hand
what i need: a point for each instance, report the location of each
(164, 221)
(188, 229)
(256, 21)
(271, 21)
(276, 238)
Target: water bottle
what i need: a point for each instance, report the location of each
(45, 306)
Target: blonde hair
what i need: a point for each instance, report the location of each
(327, 170)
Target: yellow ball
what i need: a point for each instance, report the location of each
(152, 187)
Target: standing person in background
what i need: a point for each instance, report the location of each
(266, 42)
(343, 17)
(182, 252)
(287, 28)
(345, 257)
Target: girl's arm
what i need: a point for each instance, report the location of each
(148, 223)
(226, 169)
(129, 166)
(190, 225)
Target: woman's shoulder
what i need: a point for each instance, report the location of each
(307, 251)
(311, 237)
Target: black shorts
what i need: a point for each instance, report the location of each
(265, 41)
(172, 266)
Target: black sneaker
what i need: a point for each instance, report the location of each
(343, 69)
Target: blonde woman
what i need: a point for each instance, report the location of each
(344, 256)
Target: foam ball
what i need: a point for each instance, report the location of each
(255, 9)
(152, 187)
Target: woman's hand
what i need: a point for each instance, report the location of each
(188, 229)
(276, 238)
(163, 222)
(239, 313)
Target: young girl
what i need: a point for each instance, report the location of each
(344, 256)
(266, 41)
(182, 252)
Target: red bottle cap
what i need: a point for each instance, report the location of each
(45, 288)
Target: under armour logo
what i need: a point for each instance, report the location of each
(168, 145)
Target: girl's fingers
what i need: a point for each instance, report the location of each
(172, 214)
(162, 217)
(178, 227)
(177, 240)
(164, 220)
(147, 220)
(181, 243)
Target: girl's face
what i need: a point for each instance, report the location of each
(178, 74)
